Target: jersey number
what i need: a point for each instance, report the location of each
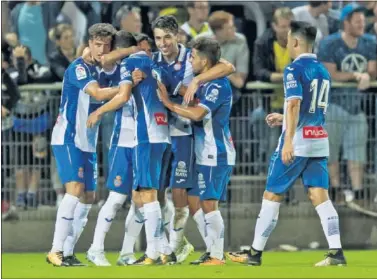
(323, 95)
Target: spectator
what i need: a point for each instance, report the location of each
(316, 14)
(232, 45)
(349, 55)
(9, 97)
(182, 37)
(145, 43)
(30, 22)
(65, 53)
(198, 16)
(269, 60)
(372, 28)
(31, 122)
(128, 19)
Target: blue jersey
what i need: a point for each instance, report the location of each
(307, 79)
(213, 141)
(124, 122)
(179, 72)
(150, 114)
(76, 105)
(334, 50)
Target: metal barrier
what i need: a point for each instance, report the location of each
(27, 160)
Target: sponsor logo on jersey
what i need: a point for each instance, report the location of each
(314, 132)
(201, 182)
(181, 170)
(80, 72)
(160, 118)
(81, 172)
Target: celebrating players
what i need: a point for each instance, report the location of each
(74, 145)
(302, 150)
(215, 154)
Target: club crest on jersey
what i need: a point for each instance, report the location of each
(80, 72)
(118, 181)
(177, 66)
(81, 173)
(160, 118)
(213, 95)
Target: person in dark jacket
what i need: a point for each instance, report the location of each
(9, 98)
(63, 36)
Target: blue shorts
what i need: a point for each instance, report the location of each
(313, 172)
(182, 162)
(147, 165)
(120, 178)
(213, 182)
(76, 165)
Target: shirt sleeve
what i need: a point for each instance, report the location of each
(292, 83)
(324, 51)
(242, 62)
(372, 49)
(126, 69)
(212, 97)
(80, 76)
(188, 74)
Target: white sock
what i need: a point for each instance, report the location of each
(201, 224)
(78, 224)
(134, 224)
(165, 247)
(330, 224)
(266, 223)
(215, 233)
(167, 214)
(63, 224)
(153, 229)
(105, 219)
(177, 227)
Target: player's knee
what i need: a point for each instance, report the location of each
(136, 199)
(179, 197)
(148, 195)
(75, 188)
(209, 205)
(194, 204)
(272, 196)
(317, 195)
(88, 197)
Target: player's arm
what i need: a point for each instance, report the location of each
(124, 94)
(101, 94)
(195, 113)
(117, 54)
(339, 76)
(372, 69)
(221, 69)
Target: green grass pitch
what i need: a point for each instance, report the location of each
(361, 264)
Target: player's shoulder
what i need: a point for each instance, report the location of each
(219, 85)
(332, 39)
(79, 68)
(368, 39)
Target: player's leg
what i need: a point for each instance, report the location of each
(148, 162)
(316, 178)
(133, 225)
(166, 204)
(119, 183)
(70, 164)
(83, 207)
(277, 185)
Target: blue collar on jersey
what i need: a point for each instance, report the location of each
(306, 55)
(139, 53)
(181, 55)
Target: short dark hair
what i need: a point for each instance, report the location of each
(124, 39)
(304, 29)
(315, 4)
(167, 23)
(143, 37)
(101, 30)
(208, 47)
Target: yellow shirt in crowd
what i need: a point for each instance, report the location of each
(282, 59)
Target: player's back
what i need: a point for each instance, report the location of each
(150, 113)
(307, 79)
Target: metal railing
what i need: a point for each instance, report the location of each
(254, 143)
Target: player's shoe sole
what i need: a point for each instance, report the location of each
(333, 258)
(238, 257)
(144, 261)
(212, 261)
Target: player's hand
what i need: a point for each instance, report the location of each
(364, 81)
(87, 56)
(93, 119)
(287, 154)
(4, 111)
(162, 93)
(137, 76)
(19, 51)
(191, 90)
(274, 119)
